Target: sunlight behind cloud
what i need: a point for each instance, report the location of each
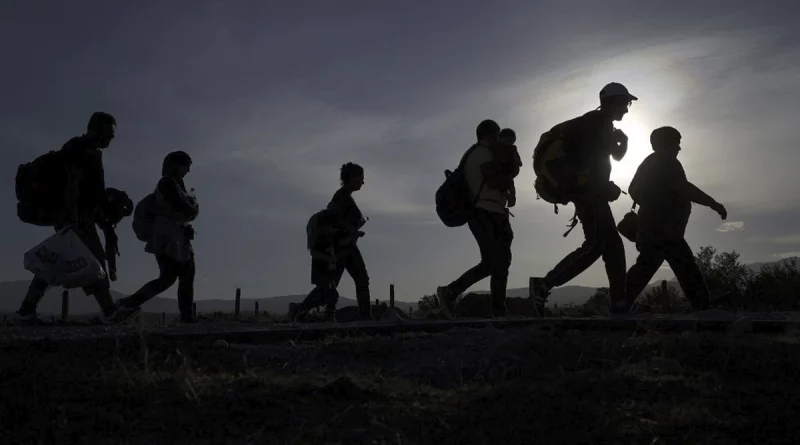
(731, 226)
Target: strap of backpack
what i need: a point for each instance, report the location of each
(464, 158)
(573, 223)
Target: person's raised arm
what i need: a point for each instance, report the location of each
(174, 195)
(697, 196)
(619, 145)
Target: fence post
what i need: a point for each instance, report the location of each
(256, 310)
(164, 318)
(64, 306)
(411, 311)
(238, 302)
(391, 295)
(194, 310)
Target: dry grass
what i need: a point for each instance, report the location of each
(464, 386)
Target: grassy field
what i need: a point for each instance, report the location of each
(461, 387)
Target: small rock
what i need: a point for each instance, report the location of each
(221, 343)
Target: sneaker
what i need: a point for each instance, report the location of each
(446, 301)
(538, 293)
(31, 318)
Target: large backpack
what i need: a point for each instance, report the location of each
(311, 229)
(40, 186)
(549, 160)
(144, 218)
(454, 202)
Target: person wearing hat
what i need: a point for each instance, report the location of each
(665, 198)
(591, 140)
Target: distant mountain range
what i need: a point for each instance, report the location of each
(12, 293)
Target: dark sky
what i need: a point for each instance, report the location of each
(270, 98)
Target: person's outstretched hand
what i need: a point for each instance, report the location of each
(719, 208)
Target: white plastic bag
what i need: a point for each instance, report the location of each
(64, 260)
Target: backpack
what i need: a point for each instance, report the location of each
(40, 186)
(311, 229)
(555, 177)
(144, 218)
(454, 202)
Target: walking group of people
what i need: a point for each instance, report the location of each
(66, 189)
(572, 163)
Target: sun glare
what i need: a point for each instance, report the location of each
(638, 131)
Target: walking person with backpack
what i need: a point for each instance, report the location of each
(322, 237)
(161, 220)
(665, 198)
(348, 221)
(572, 163)
(66, 189)
(477, 194)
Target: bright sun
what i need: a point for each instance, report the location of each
(638, 132)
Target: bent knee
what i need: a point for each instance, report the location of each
(500, 263)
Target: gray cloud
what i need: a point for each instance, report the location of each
(271, 100)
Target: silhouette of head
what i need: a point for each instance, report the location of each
(508, 136)
(666, 140)
(487, 131)
(352, 176)
(176, 164)
(101, 128)
(615, 100)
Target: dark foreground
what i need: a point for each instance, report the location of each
(464, 386)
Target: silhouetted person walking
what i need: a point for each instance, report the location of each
(665, 198)
(588, 142)
(348, 220)
(489, 169)
(170, 237)
(81, 208)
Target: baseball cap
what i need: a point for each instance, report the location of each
(616, 89)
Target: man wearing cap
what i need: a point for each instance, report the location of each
(590, 140)
(665, 198)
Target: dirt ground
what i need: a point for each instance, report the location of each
(480, 386)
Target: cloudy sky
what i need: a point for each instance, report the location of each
(271, 98)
